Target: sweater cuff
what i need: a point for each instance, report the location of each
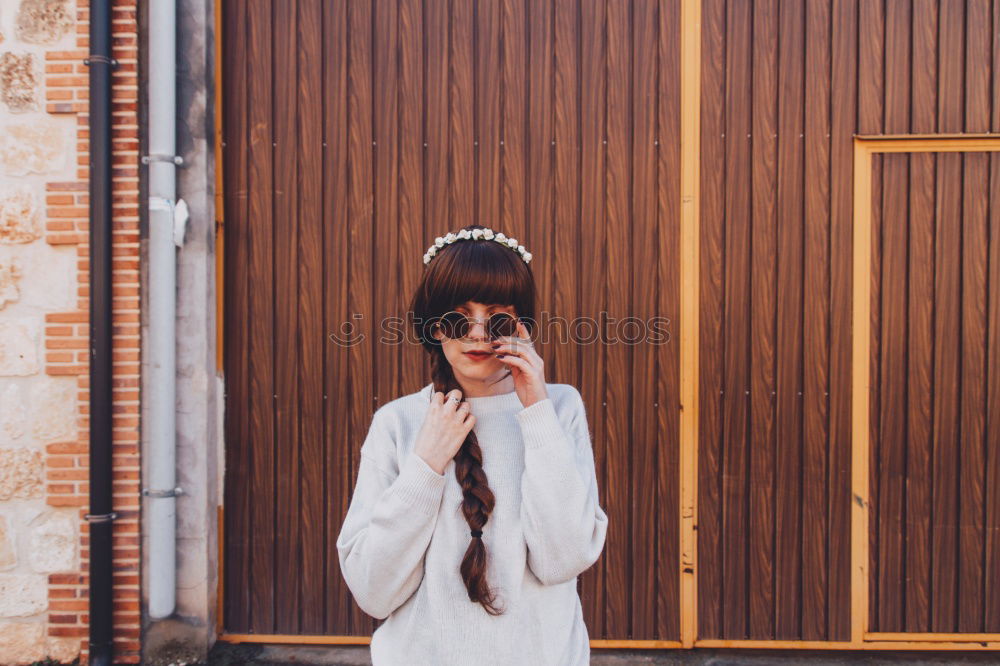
(420, 486)
(540, 424)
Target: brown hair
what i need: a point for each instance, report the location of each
(484, 272)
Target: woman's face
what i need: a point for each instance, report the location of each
(470, 367)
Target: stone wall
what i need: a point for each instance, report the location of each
(44, 331)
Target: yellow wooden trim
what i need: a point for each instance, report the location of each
(606, 643)
(294, 639)
(860, 391)
(844, 645)
(927, 636)
(929, 144)
(864, 148)
(220, 208)
(931, 642)
(944, 135)
(690, 169)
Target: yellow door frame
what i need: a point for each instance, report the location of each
(864, 148)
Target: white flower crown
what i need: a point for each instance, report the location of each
(475, 234)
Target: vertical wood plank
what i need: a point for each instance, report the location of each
(540, 134)
(763, 285)
(361, 296)
(920, 313)
(816, 321)
(461, 151)
(871, 41)
(947, 378)
(261, 313)
(788, 449)
(618, 305)
(893, 389)
(488, 114)
(644, 233)
(951, 54)
(920, 321)
(236, 554)
(339, 468)
(416, 233)
(437, 207)
(972, 455)
(592, 220)
(711, 318)
(737, 304)
(312, 333)
(385, 251)
(514, 44)
(843, 89)
(992, 586)
(566, 183)
(667, 352)
(286, 334)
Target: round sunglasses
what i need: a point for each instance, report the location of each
(456, 325)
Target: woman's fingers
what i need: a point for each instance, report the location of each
(516, 361)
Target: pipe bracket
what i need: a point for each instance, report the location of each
(159, 157)
(100, 517)
(173, 492)
(96, 57)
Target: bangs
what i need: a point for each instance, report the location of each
(479, 273)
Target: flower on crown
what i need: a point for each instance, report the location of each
(475, 234)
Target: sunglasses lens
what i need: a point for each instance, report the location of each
(502, 324)
(454, 325)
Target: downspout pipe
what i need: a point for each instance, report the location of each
(100, 517)
(160, 383)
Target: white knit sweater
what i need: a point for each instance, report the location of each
(404, 536)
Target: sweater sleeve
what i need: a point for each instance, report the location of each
(388, 526)
(564, 524)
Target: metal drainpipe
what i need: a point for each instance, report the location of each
(160, 382)
(101, 516)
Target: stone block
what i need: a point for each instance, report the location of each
(43, 21)
(13, 412)
(53, 408)
(22, 642)
(53, 543)
(37, 147)
(22, 474)
(19, 339)
(23, 595)
(19, 215)
(19, 81)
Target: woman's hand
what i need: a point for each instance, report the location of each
(445, 427)
(526, 366)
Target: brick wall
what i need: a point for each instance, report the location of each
(44, 231)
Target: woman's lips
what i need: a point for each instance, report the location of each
(478, 356)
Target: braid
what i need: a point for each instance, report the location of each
(478, 499)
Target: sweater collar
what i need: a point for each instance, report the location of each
(487, 404)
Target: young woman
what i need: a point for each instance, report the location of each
(476, 503)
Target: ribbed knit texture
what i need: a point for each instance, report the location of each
(404, 536)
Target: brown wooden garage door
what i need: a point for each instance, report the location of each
(354, 134)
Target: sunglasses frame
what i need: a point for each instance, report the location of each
(465, 321)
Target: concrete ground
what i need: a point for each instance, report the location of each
(225, 654)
